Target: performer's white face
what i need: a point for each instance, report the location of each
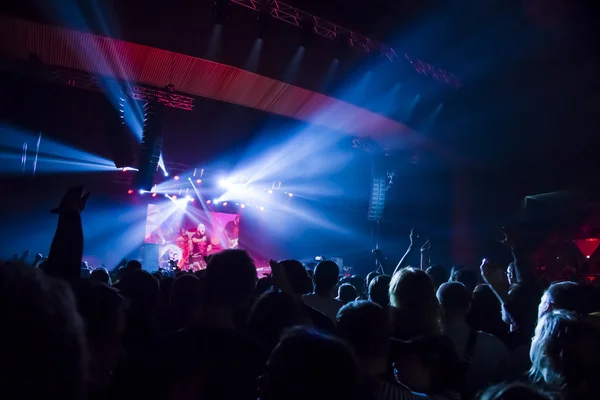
(201, 229)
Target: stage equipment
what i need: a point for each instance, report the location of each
(329, 30)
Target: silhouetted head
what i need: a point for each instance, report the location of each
(142, 290)
(103, 311)
(43, 348)
(101, 275)
(133, 265)
(438, 275)
(416, 309)
(568, 296)
(297, 276)
(468, 277)
(365, 325)
(307, 364)
(271, 313)
(379, 290)
(370, 276)
(359, 283)
(325, 277)
(455, 300)
(347, 293)
(230, 279)
(185, 297)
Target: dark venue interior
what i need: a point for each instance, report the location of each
(401, 196)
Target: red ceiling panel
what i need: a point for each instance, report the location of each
(155, 67)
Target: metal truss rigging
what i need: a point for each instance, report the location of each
(291, 15)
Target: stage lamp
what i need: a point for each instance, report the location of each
(262, 23)
(153, 194)
(142, 191)
(220, 11)
(290, 194)
(198, 180)
(223, 183)
(307, 29)
(262, 209)
(176, 177)
(174, 197)
(192, 200)
(225, 204)
(270, 191)
(130, 191)
(243, 206)
(208, 201)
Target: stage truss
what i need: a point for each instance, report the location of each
(167, 96)
(291, 15)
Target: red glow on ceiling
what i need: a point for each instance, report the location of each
(150, 66)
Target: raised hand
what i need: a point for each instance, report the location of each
(509, 238)
(426, 246)
(73, 200)
(492, 274)
(414, 236)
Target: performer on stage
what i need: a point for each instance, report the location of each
(182, 242)
(199, 242)
(232, 232)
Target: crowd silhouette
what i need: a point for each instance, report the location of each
(496, 332)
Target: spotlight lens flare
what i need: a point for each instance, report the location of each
(130, 191)
(270, 191)
(153, 194)
(243, 206)
(225, 204)
(176, 177)
(262, 209)
(290, 194)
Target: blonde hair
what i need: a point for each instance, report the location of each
(415, 308)
(565, 353)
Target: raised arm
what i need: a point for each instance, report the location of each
(380, 259)
(66, 251)
(404, 260)
(523, 269)
(494, 275)
(425, 255)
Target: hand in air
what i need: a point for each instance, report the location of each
(509, 238)
(73, 200)
(492, 274)
(414, 236)
(426, 246)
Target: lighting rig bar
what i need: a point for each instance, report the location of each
(82, 80)
(166, 97)
(291, 15)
